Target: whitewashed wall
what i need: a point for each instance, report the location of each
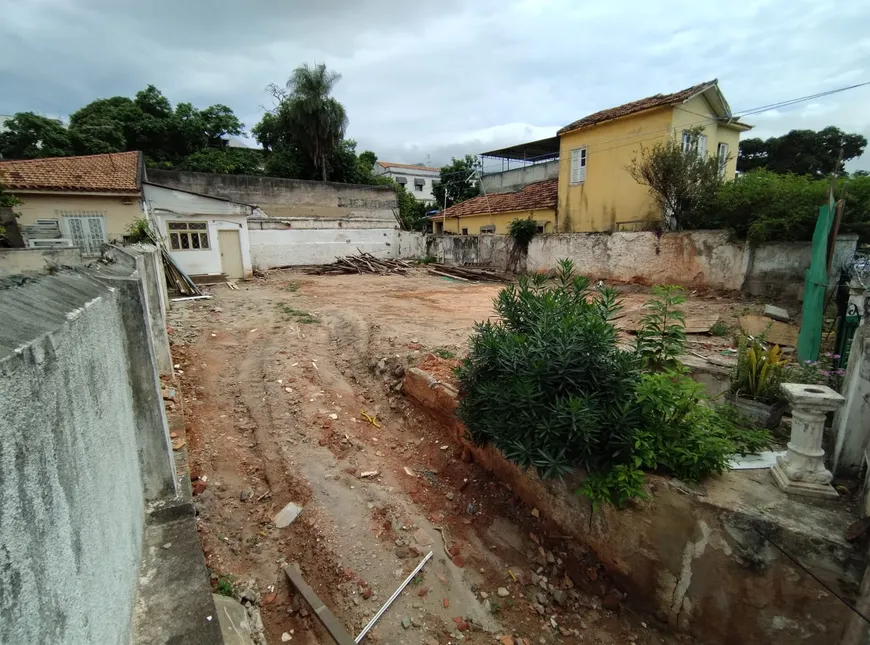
(292, 242)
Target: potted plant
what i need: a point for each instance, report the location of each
(755, 382)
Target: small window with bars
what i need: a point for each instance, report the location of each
(188, 236)
(488, 229)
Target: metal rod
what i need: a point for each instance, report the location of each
(387, 604)
(191, 298)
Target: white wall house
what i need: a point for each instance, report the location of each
(204, 235)
(416, 178)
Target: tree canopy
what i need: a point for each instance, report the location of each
(802, 152)
(459, 180)
(147, 122)
(306, 128)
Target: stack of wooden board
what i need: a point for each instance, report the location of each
(361, 263)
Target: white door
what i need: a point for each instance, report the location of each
(231, 253)
(87, 231)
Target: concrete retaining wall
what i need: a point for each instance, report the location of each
(83, 446)
(693, 556)
(278, 197)
(692, 258)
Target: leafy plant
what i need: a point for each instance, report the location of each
(824, 371)
(680, 181)
(522, 231)
(139, 231)
(759, 371)
(719, 328)
(443, 352)
(662, 334)
(225, 585)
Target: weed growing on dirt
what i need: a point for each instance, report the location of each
(292, 287)
(548, 385)
(299, 316)
(417, 580)
(225, 585)
(443, 352)
(720, 328)
(662, 334)
(494, 607)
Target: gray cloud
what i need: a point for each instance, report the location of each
(439, 79)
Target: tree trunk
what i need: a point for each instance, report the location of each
(323, 165)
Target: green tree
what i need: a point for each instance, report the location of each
(680, 181)
(802, 152)
(459, 181)
(230, 161)
(310, 116)
(30, 136)
(412, 212)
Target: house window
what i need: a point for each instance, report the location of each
(86, 229)
(578, 165)
(188, 236)
(465, 231)
(401, 180)
(541, 228)
(439, 227)
(488, 229)
(419, 184)
(694, 143)
(722, 156)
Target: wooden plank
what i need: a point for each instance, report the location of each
(326, 617)
(775, 332)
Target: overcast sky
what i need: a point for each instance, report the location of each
(429, 80)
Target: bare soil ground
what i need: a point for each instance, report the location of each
(276, 377)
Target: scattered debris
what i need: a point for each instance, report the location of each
(409, 472)
(773, 331)
(369, 473)
(469, 274)
(370, 419)
(287, 515)
(777, 313)
(362, 263)
(502, 592)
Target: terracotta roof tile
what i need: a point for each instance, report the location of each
(117, 172)
(408, 166)
(659, 100)
(540, 195)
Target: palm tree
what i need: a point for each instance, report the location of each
(317, 120)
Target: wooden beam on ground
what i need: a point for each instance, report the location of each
(326, 617)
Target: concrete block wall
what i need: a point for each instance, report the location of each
(279, 197)
(84, 446)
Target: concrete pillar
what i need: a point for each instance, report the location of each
(852, 422)
(801, 471)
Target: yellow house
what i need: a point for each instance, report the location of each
(76, 201)
(596, 192)
(494, 213)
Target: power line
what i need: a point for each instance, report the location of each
(707, 119)
(811, 574)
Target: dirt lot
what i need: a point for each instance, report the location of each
(276, 377)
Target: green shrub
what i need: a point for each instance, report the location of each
(662, 334)
(547, 384)
(523, 230)
(139, 231)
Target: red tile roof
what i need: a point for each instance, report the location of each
(117, 172)
(650, 102)
(388, 164)
(540, 195)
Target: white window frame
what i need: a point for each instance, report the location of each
(722, 155)
(699, 145)
(177, 229)
(487, 229)
(86, 230)
(579, 161)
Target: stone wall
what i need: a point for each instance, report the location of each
(694, 556)
(83, 446)
(278, 197)
(692, 258)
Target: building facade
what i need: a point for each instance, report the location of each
(419, 180)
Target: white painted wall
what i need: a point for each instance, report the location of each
(515, 178)
(428, 176)
(170, 205)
